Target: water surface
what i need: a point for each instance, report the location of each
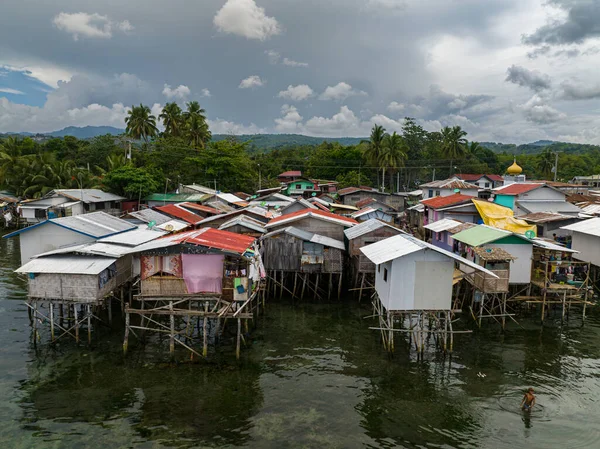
(313, 376)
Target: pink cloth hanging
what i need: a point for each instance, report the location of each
(203, 273)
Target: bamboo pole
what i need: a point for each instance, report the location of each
(303, 284)
(126, 339)
(76, 323)
(89, 324)
(35, 318)
(52, 321)
(295, 282)
(172, 336)
(340, 286)
(110, 308)
(205, 332)
(238, 342)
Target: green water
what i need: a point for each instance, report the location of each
(312, 376)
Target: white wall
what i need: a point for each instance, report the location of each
(588, 247)
(47, 238)
(446, 192)
(520, 269)
(418, 281)
(544, 193)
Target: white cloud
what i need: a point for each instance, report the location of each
(296, 93)
(251, 82)
(245, 18)
(394, 106)
(536, 110)
(8, 90)
(340, 92)
(46, 73)
(292, 63)
(181, 92)
(206, 93)
(291, 120)
(275, 58)
(343, 123)
(81, 24)
(220, 126)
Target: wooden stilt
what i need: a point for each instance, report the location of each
(110, 308)
(52, 321)
(205, 332)
(76, 323)
(340, 286)
(35, 318)
(281, 289)
(303, 284)
(89, 324)
(362, 284)
(238, 342)
(143, 322)
(317, 285)
(126, 339)
(172, 334)
(295, 282)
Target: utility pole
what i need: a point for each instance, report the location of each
(433, 177)
(259, 178)
(556, 166)
(165, 197)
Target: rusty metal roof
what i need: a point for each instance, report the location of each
(200, 207)
(493, 254)
(445, 201)
(176, 211)
(452, 184)
(312, 213)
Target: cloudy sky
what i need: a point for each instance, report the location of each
(505, 70)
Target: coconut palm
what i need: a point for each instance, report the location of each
(197, 132)
(393, 154)
(141, 124)
(374, 148)
(545, 163)
(472, 148)
(193, 108)
(453, 142)
(172, 119)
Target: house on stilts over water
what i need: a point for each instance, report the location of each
(192, 284)
(413, 285)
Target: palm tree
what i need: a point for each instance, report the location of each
(141, 124)
(10, 152)
(172, 119)
(197, 132)
(453, 142)
(472, 148)
(393, 154)
(545, 163)
(193, 108)
(374, 148)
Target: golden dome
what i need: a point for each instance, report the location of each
(514, 169)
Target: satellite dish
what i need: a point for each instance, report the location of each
(314, 194)
(169, 227)
(529, 234)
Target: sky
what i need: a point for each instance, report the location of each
(509, 71)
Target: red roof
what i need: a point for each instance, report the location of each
(318, 213)
(320, 206)
(365, 202)
(349, 190)
(216, 238)
(470, 177)
(446, 201)
(201, 208)
(290, 174)
(179, 212)
(517, 188)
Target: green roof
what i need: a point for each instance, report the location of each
(178, 197)
(480, 235)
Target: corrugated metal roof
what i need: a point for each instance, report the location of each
(308, 237)
(173, 225)
(207, 237)
(148, 215)
(136, 237)
(201, 189)
(303, 202)
(342, 206)
(591, 209)
(200, 207)
(181, 213)
(442, 225)
(366, 227)
(95, 224)
(289, 173)
(446, 201)
(544, 217)
(230, 198)
(552, 246)
(364, 211)
(245, 221)
(67, 265)
(493, 253)
(417, 207)
(451, 183)
(313, 213)
(349, 190)
(589, 227)
(403, 245)
(480, 235)
(86, 195)
(178, 197)
(532, 206)
(469, 177)
(461, 227)
(517, 188)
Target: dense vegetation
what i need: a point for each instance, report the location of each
(144, 160)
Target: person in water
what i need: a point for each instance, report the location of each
(528, 400)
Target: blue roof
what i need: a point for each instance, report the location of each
(95, 225)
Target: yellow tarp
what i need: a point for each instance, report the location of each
(502, 218)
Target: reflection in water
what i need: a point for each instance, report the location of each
(313, 376)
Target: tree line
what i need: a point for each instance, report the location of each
(145, 160)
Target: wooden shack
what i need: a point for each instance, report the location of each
(210, 274)
(316, 221)
(413, 282)
(298, 205)
(243, 224)
(297, 259)
(255, 212)
(363, 234)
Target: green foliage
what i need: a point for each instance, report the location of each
(141, 124)
(132, 182)
(351, 179)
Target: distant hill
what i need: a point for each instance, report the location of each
(540, 146)
(274, 141)
(86, 132)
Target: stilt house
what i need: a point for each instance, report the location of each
(315, 221)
